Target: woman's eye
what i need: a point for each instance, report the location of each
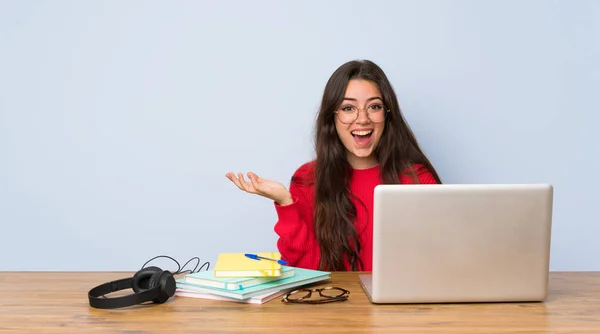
(376, 107)
(347, 108)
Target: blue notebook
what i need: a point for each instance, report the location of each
(301, 277)
(208, 279)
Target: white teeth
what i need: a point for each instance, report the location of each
(362, 133)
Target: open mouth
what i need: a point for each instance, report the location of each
(362, 138)
(363, 134)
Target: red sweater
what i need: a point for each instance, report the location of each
(297, 242)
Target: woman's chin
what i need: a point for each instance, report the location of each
(361, 156)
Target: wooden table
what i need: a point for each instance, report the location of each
(56, 302)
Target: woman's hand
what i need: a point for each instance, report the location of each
(263, 187)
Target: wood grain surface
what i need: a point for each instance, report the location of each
(56, 302)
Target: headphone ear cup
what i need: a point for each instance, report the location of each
(141, 279)
(166, 282)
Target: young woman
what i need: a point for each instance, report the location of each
(362, 140)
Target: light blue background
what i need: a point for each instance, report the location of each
(119, 119)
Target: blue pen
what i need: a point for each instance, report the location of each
(256, 257)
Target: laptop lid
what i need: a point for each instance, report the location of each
(460, 243)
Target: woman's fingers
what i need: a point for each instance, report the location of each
(246, 185)
(252, 186)
(238, 181)
(235, 181)
(254, 179)
(242, 182)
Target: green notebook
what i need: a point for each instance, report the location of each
(301, 277)
(208, 279)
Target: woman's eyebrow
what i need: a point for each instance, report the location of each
(369, 99)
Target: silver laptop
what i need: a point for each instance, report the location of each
(460, 243)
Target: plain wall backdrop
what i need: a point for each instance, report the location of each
(119, 119)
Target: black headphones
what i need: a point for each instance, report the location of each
(149, 284)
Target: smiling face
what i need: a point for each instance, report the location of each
(360, 136)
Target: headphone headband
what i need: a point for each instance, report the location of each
(107, 303)
(158, 291)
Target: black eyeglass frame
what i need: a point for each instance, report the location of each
(342, 296)
(385, 109)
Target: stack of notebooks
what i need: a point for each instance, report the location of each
(238, 278)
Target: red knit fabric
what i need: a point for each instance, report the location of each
(297, 242)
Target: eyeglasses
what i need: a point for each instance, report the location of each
(348, 114)
(328, 295)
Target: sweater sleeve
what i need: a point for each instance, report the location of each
(297, 243)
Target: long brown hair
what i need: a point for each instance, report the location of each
(396, 152)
